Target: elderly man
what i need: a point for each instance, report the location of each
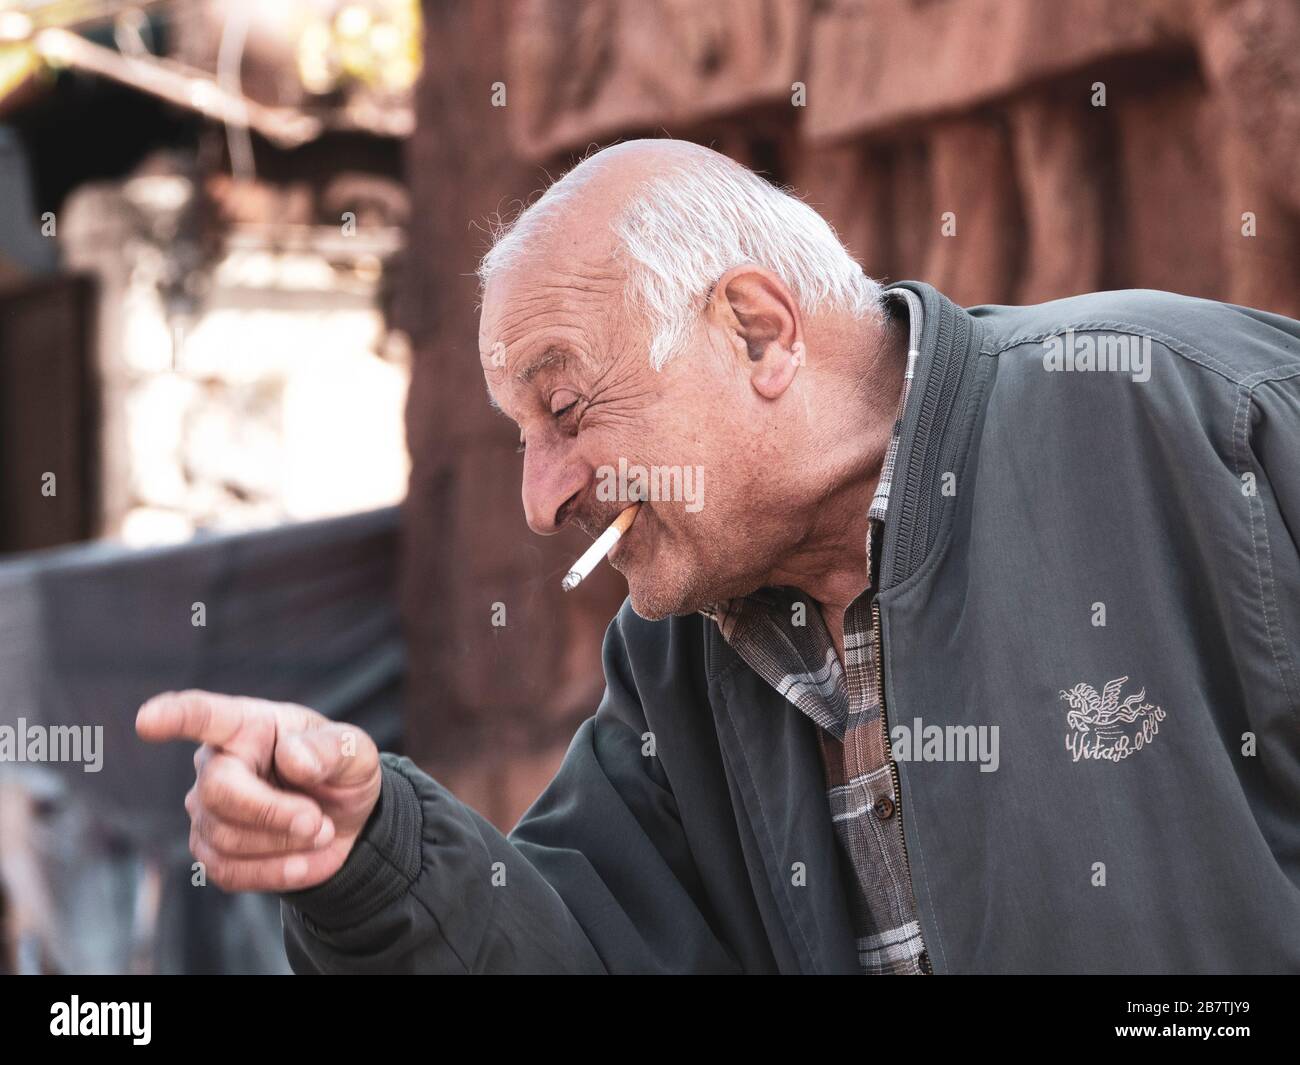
(976, 651)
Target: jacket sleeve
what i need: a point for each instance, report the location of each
(1275, 444)
(1275, 527)
(596, 877)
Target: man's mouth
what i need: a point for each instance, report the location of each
(619, 549)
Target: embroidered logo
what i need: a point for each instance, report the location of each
(1103, 727)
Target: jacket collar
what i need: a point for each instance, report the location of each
(931, 440)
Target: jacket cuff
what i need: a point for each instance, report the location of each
(384, 862)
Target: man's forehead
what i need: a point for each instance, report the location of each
(542, 332)
(511, 318)
(539, 317)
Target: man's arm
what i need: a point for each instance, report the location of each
(1274, 503)
(596, 877)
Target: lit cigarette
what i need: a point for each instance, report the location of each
(600, 547)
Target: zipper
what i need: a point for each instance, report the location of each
(936, 404)
(878, 649)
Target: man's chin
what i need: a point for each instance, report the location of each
(652, 605)
(655, 594)
(654, 598)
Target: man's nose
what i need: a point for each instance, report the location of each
(551, 488)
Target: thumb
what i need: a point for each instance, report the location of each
(335, 755)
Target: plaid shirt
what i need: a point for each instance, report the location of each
(800, 662)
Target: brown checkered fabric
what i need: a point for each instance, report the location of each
(800, 662)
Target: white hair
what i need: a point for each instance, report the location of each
(683, 229)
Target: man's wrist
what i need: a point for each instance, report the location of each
(382, 865)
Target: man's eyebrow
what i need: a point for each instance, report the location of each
(550, 357)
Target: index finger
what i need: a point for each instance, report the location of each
(204, 717)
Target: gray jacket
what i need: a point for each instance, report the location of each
(1098, 567)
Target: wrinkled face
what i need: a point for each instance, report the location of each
(600, 428)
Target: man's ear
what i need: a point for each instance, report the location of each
(754, 306)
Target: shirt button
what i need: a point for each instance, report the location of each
(884, 807)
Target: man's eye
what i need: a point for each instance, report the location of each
(560, 412)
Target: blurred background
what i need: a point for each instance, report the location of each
(243, 443)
